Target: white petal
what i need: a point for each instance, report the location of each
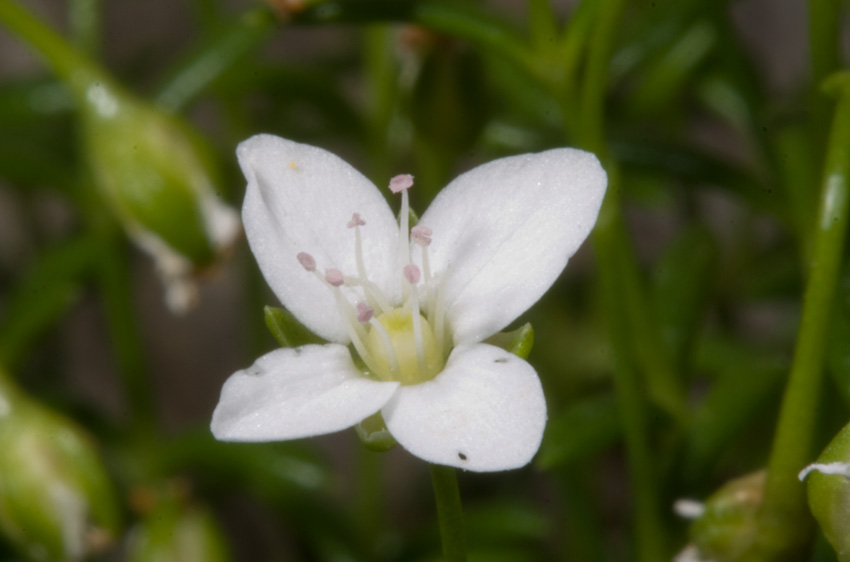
(297, 392)
(484, 412)
(300, 199)
(506, 230)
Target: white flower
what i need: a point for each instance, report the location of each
(489, 246)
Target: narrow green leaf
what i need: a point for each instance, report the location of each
(683, 282)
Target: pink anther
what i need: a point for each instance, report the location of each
(334, 277)
(306, 261)
(364, 312)
(421, 235)
(356, 221)
(412, 274)
(401, 182)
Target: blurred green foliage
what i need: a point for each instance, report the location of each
(683, 348)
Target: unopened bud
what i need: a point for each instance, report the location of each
(56, 500)
(152, 171)
(174, 530)
(828, 482)
(726, 525)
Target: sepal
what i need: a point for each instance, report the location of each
(287, 330)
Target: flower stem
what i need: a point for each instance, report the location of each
(783, 515)
(70, 65)
(632, 333)
(449, 513)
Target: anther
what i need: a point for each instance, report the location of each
(356, 221)
(334, 277)
(364, 312)
(412, 274)
(306, 261)
(421, 235)
(401, 183)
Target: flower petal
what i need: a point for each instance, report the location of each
(506, 229)
(300, 199)
(297, 392)
(484, 412)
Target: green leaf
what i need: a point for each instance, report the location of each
(519, 342)
(683, 283)
(287, 330)
(43, 295)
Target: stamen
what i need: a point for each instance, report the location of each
(356, 221)
(402, 183)
(334, 277)
(413, 275)
(373, 294)
(440, 313)
(355, 331)
(306, 261)
(421, 236)
(364, 312)
(388, 347)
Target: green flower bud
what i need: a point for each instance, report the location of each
(151, 170)
(726, 525)
(174, 531)
(56, 500)
(148, 165)
(829, 492)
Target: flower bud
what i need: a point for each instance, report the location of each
(726, 525)
(828, 483)
(174, 531)
(152, 172)
(56, 500)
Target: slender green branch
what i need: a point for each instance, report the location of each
(626, 306)
(85, 19)
(115, 284)
(783, 519)
(824, 33)
(449, 513)
(66, 62)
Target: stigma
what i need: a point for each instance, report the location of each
(403, 341)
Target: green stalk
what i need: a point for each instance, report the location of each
(449, 513)
(784, 522)
(85, 18)
(625, 303)
(74, 68)
(824, 33)
(115, 284)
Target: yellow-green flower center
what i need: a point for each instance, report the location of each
(399, 355)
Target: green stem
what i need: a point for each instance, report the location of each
(783, 517)
(626, 306)
(824, 33)
(85, 19)
(115, 284)
(449, 513)
(74, 68)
